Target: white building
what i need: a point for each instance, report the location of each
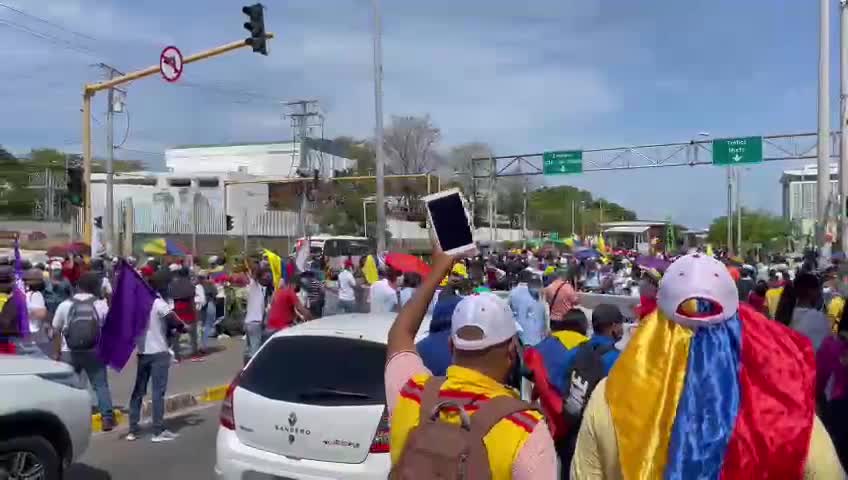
(279, 159)
(799, 194)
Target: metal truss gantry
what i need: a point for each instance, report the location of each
(801, 146)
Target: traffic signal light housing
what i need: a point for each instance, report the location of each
(256, 27)
(98, 222)
(229, 222)
(76, 187)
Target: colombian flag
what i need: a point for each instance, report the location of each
(729, 400)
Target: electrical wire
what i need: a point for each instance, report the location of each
(145, 152)
(127, 131)
(54, 40)
(48, 22)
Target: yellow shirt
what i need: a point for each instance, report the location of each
(570, 338)
(503, 442)
(834, 311)
(772, 299)
(596, 454)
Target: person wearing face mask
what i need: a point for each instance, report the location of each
(485, 350)
(58, 288)
(527, 310)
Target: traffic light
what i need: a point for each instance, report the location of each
(229, 222)
(76, 187)
(98, 222)
(256, 27)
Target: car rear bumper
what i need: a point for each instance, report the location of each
(236, 461)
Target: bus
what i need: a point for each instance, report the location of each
(338, 246)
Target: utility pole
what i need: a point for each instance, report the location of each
(823, 178)
(301, 121)
(842, 210)
(729, 210)
(109, 217)
(378, 128)
(524, 216)
(572, 218)
(89, 90)
(739, 211)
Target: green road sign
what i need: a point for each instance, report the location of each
(554, 163)
(731, 151)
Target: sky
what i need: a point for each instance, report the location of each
(545, 75)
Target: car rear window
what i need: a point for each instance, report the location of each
(327, 371)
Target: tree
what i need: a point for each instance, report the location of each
(410, 145)
(360, 150)
(550, 209)
(758, 227)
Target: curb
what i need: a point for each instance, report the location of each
(173, 403)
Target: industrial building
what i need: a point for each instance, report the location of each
(799, 193)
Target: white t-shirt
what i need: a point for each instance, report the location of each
(812, 323)
(347, 284)
(154, 340)
(60, 318)
(106, 287)
(35, 301)
(383, 297)
(255, 302)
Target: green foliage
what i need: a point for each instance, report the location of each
(758, 227)
(550, 209)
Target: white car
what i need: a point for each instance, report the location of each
(311, 404)
(45, 418)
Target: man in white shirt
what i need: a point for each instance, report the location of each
(88, 289)
(254, 314)
(384, 296)
(347, 289)
(153, 363)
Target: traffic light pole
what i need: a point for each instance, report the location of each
(90, 90)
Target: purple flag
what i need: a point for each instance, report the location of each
(19, 293)
(128, 316)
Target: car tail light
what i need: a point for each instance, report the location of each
(228, 416)
(381, 437)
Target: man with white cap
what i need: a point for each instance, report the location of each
(485, 350)
(707, 388)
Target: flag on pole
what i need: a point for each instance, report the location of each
(128, 316)
(19, 292)
(302, 255)
(709, 251)
(276, 264)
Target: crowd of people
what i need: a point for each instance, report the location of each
(505, 325)
(675, 405)
(67, 302)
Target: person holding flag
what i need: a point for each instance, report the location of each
(724, 392)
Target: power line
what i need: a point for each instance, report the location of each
(144, 152)
(48, 22)
(54, 40)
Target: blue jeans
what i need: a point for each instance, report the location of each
(153, 367)
(95, 369)
(207, 322)
(253, 334)
(347, 306)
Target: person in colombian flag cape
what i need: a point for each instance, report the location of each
(706, 389)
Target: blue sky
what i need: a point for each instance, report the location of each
(524, 78)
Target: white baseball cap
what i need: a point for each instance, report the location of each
(697, 290)
(487, 312)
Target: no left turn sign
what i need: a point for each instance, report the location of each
(171, 63)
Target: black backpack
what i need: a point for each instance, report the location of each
(585, 374)
(82, 329)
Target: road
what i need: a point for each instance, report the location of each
(190, 457)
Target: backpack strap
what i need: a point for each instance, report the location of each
(493, 411)
(430, 397)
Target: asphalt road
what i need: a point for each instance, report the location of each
(190, 457)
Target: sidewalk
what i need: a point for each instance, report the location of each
(189, 383)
